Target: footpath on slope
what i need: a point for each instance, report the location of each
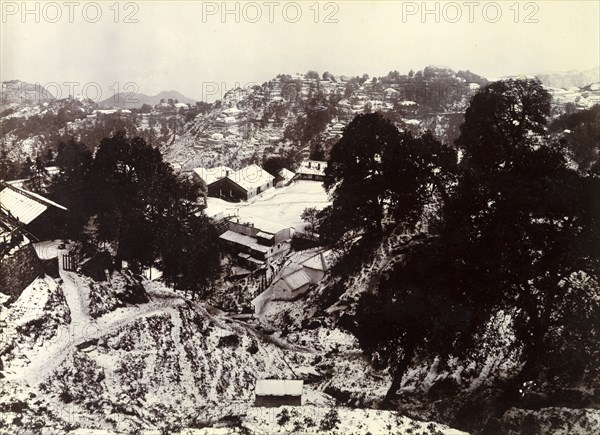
(83, 328)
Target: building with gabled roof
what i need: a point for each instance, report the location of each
(210, 175)
(19, 264)
(241, 185)
(301, 270)
(23, 204)
(285, 177)
(291, 286)
(256, 247)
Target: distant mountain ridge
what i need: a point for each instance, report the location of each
(568, 79)
(130, 100)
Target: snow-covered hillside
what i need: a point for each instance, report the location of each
(78, 354)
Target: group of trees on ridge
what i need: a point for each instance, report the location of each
(516, 230)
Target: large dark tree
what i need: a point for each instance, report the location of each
(354, 174)
(190, 259)
(519, 232)
(502, 119)
(72, 187)
(418, 171)
(530, 225)
(376, 173)
(136, 195)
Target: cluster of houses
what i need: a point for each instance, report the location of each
(581, 98)
(246, 183)
(231, 115)
(258, 243)
(171, 103)
(335, 129)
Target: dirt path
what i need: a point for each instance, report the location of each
(77, 298)
(45, 359)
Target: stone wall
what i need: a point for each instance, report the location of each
(19, 270)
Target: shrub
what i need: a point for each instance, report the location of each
(330, 421)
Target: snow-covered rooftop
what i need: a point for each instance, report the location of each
(242, 239)
(210, 175)
(23, 204)
(286, 174)
(316, 262)
(296, 279)
(232, 111)
(251, 177)
(277, 387)
(312, 167)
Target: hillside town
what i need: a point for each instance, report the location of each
(358, 240)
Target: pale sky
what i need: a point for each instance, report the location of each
(191, 47)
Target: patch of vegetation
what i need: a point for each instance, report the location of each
(283, 417)
(330, 421)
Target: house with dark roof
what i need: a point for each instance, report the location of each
(235, 186)
(278, 392)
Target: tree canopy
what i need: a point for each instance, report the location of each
(376, 172)
(140, 207)
(517, 231)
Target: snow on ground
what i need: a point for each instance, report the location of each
(171, 363)
(279, 207)
(77, 296)
(145, 365)
(47, 249)
(555, 421)
(309, 419)
(33, 321)
(313, 419)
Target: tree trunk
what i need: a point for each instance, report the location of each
(397, 376)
